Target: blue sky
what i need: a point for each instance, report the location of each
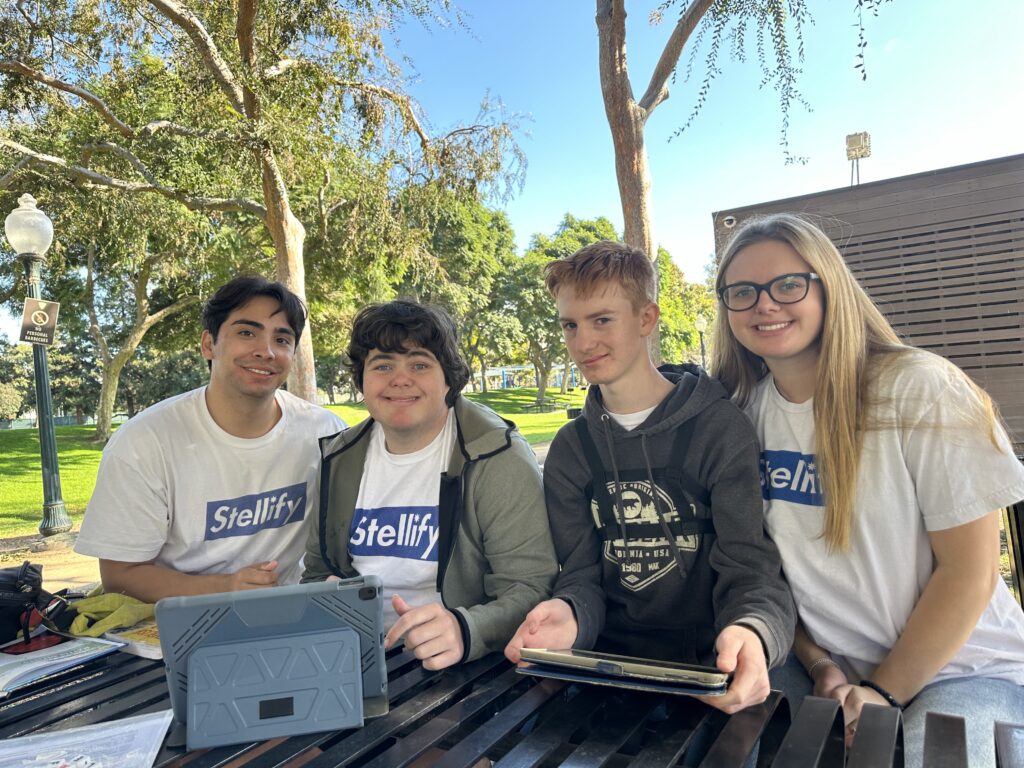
(945, 87)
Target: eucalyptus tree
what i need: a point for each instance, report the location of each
(257, 99)
(776, 30)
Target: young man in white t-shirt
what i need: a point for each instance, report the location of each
(437, 495)
(208, 491)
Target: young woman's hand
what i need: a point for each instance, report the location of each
(853, 698)
(827, 678)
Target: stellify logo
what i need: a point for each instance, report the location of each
(407, 532)
(257, 512)
(790, 476)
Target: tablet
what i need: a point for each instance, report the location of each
(293, 616)
(571, 664)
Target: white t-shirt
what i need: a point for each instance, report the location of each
(175, 488)
(394, 533)
(925, 475)
(630, 421)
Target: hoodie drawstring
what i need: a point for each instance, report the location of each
(619, 505)
(659, 511)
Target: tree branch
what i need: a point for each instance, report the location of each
(657, 90)
(93, 178)
(281, 67)
(614, 75)
(403, 102)
(90, 301)
(190, 24)
(247, 48)
(166, 126)
(18, 68)
(8, 177)
(124, 154)
(169, 310)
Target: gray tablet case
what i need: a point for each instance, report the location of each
(279, 614)
(261, 689)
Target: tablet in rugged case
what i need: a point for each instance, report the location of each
(571, 663)
(276, 614)
(260, 689)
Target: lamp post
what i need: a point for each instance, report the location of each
(701, 324)
(30, 232)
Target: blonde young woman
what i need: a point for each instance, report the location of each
(883, 469)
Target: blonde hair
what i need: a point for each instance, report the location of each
(855, 339)
(605, 261)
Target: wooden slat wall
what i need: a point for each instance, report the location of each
(942, 254)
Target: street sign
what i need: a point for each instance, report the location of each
(39, 321)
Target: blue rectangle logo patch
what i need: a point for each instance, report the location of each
(257, 512)
(790, 476)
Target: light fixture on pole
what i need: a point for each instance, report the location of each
(30, 232)
(701, 324)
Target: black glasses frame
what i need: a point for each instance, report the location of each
(767, 288)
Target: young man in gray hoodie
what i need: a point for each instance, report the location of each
(654, 498)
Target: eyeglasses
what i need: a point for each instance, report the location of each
(784, 289)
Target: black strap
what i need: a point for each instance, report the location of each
(680, 459)
(598, 487)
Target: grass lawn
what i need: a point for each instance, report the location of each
(21, 489)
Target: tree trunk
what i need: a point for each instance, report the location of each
(542, 382)
(627, 118)
(288, 235)
(566, 363)
(108, 390)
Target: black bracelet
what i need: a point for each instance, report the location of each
(882, 692)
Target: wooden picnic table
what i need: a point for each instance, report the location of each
(487, 709)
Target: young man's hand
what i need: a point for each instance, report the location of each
(254, 576)
(740, 652)
(431, 632)
(550, 624)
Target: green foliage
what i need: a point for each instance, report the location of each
(152, 376)
(12, 398)
(680, 303)
(527, 299)
(776, 29)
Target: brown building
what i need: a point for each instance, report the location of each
(942, 254)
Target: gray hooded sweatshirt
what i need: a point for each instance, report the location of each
(660, 574)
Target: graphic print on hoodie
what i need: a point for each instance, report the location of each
(637, 510)
(642, 559)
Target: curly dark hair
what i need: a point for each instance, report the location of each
(396, 326)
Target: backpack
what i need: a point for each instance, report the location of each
(21, 590)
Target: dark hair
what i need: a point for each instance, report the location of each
(398, 325)
(243, 289)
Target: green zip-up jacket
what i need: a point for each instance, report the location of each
(495, 557)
